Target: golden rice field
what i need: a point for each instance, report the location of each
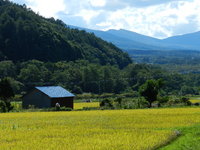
(84, 104)
(195, 100)
(94, 130)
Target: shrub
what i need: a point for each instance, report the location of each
(17, 106)
(119, 100)
(131, 94)
(3, 106)
(86, 96)
(179, 101)
(106, 103)
(186, 101)
(142, 103)
(63, 108)
(107, 95)
(163, 100)
(173, 101)
(17, 98)
(90, 108)
(68, 109)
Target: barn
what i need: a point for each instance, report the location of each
(48, 96)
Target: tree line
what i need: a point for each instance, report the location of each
(82, 76)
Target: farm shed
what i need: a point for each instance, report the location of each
(48, 96)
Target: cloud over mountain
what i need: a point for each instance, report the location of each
(157, 18)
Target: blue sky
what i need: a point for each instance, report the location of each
(156, 18)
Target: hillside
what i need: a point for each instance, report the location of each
(191, 40)
(25, 35)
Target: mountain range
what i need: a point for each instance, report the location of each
(128, 40)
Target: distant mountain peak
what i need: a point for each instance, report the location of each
(128, 40)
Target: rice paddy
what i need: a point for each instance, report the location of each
(94, 130)
(84, 105)
(195, 100)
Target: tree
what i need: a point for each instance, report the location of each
(106, 103)
(7, 68)
(6, 92)
(108, 79)
(150, 89)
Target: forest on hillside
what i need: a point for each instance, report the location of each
(24, 35)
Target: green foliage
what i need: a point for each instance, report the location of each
(106, 103)
(189, 139)
(188, 90)
(134, 103)
(7, 68)
(62, 109)
(73, 76)
(16, 85)
(163, 100)
(90, 108)
(179, 101)
(68, 109)
(186, 101)
(150, 89)
(6, 91)
(119, 101)
(33, 71)
(141, 102)
(84, 77)
(17, 106)
(174, 101)
(3, 107)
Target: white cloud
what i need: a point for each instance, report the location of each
(98, 3)
(87, 15)
(158, 18)
(47, 8)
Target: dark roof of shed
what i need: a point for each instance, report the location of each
(55, 91)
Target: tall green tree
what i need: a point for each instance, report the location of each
(150, 89)
(7, 68)
(6, 92)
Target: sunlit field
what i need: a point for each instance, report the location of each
(82, 105)
(97, 130)
(194, 100)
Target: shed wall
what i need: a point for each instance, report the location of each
(36, 98)
(64, 102)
